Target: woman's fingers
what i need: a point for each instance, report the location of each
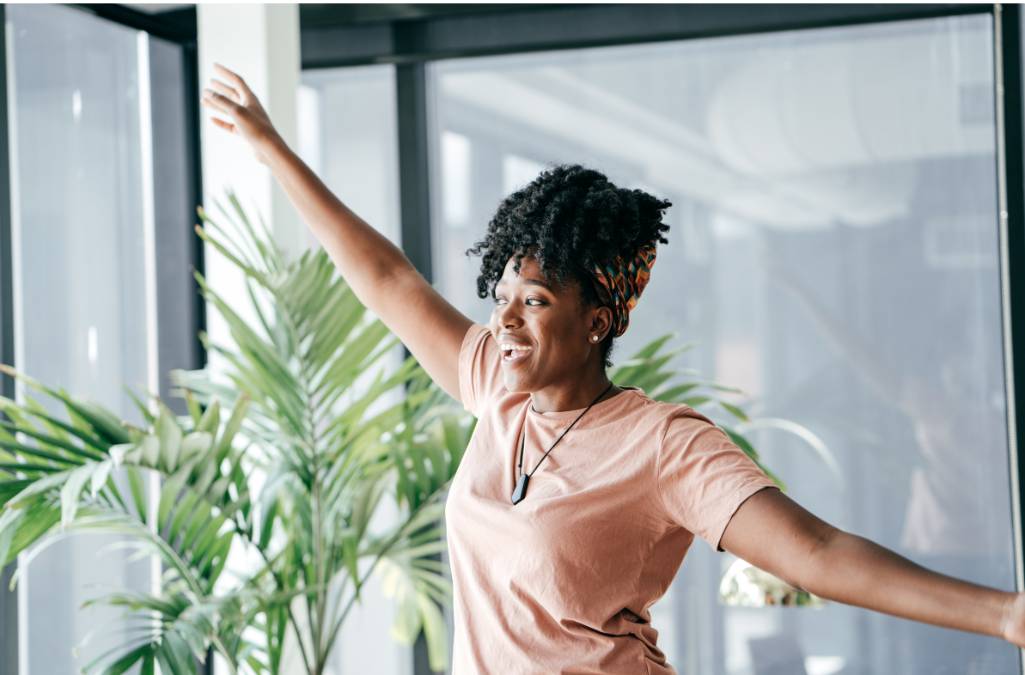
(223, 88)
(220, 101)
(245, 116)
(233, 78)
(222, 124)
(217, 120)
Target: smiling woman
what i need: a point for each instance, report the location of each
(565, 259)
(584, 234)
(562, 579)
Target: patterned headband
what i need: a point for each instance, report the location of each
(625, 281)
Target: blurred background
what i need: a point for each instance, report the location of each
(846, 246)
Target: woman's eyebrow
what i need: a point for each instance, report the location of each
(530, 282)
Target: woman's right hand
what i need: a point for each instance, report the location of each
(246, 117)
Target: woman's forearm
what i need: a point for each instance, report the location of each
(366, 259)
(857, 571)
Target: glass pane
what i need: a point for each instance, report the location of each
(833, 253)
(80, 270)
(348, 135)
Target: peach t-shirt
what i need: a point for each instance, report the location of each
(562, 582)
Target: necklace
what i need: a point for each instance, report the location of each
(521, 486)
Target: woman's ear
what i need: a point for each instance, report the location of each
(601, 321)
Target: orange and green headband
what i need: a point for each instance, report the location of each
(625, 281)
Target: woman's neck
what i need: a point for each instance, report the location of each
(573, 397)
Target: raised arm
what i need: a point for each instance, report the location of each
(774, 533)
(378, 272)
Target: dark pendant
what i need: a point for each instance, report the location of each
(521, 489)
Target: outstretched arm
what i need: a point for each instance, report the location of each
(376, 270)
(776, 534)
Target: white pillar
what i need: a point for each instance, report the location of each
(260, 42)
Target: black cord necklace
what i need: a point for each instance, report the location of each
(521, 486)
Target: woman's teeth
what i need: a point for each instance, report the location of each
(517, 353)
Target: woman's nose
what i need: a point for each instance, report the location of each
(507, 314)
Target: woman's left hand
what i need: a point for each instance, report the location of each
(248, 119)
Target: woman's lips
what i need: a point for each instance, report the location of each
(516, 356)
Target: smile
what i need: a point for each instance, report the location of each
(514, 354)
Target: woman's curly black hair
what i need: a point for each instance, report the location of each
(569, 218)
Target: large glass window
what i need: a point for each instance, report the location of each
(85, 272)
(834, 252)
(348, 136)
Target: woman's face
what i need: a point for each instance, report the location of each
(550, 323)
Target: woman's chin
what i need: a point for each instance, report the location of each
(515, 383)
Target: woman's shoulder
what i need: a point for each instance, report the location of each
(667, 409)
(671, 416)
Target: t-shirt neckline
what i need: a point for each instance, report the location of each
(570, 415)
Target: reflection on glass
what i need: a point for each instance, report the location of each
(745, 585)
(80, 307)
(834, 252)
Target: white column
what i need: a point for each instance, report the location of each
(260, 42)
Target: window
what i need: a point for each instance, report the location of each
(97, 119)
(833, 252)
(348, 136)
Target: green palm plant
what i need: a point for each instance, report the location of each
(280, 458)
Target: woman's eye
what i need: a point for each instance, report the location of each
(498, 301)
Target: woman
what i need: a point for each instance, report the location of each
(558, 549)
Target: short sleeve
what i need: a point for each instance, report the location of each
(703, 476)
(480, 368)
